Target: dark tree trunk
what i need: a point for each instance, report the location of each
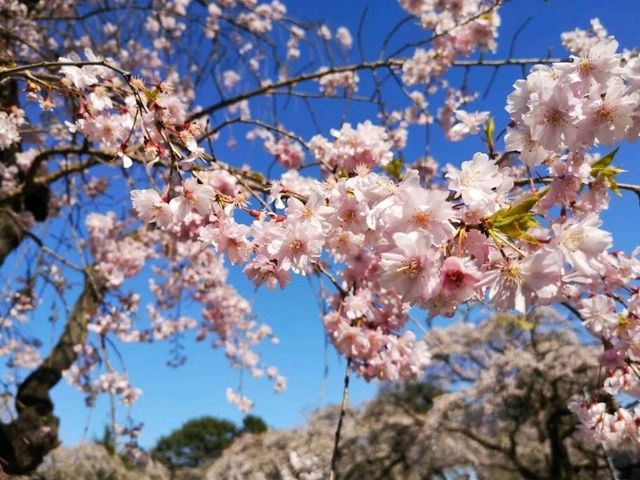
(34, 432)
(25, 441)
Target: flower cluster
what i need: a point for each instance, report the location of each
(331, 82)
(592, 100)
(117, 384)
(601, 426)
(459, 29)
(511, 231)
(243, 403)
(116, 258)
(9, 128)
(367, 145)
(559, 113)
(398, 245)
(286, 151)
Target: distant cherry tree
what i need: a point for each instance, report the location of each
(492, 405)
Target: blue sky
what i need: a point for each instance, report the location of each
(313, 369)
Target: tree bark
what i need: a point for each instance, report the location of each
(34, 198)
(10, 232)
(26, 440)
(34, 432)
(560, 467)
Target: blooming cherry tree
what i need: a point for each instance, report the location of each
(87, 116)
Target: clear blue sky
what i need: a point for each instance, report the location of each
(171, 396)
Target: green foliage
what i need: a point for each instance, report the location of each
(202, 439)
(603, 167)
(514, 322)
(514, 221)
(107, 440)
(196, 441)
(253, 424)
(395, 167)
(489, 130)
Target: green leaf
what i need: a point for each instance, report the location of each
(517, 211)
(603, 168)
(518, 321)
(516, 220)
(614, 185)
(604, 161)
(489, 130)
(395, 167)
(518, 229)
(152, 95)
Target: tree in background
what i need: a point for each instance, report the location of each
(107, 440)
(194, 442)
(492, 405)
(509, 381)
(253, 424)
(202, 439)
(120, 167)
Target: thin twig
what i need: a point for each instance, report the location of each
(343, 409)
(547, 180)
(268, 88)
(8, 72)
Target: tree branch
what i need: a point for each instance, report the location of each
(343, 409)
(25, 441)
(374, 65)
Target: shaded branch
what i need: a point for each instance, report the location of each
(293, 81)
(374, 65)
(6, 72)
(547, 180)
(25, 441)
(343, 409)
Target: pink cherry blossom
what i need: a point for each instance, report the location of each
(458, 279)
(151, 208)
(411, 267)
(194, 195)
(581, 241)
(476, 180)
(469, 124)
(297, 245)
(599, 315)
(516, 284)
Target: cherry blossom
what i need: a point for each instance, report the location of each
(410, 268)
(469, 124)
(476, 180)
(581, 241)
(9, 133)
(136, 126)
(151, 207)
